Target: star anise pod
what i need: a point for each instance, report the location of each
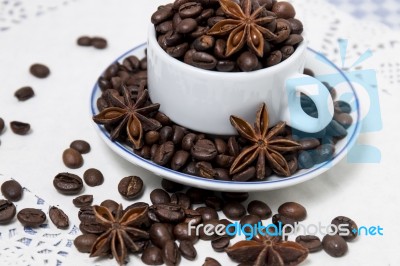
(130, 114)
(122, 232)
(266, 145)
(243, 26)
(267, 251)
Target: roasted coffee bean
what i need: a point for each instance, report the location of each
(164, 27)
(308, 72)
(188, 58)
(84, 243)
(305, 160)
(207, 213)
(233, 147)
(92, 228)
(214, 20)
(12, 190)
(143, 63)
(344, 119)
(93, 177)
(159, 234)
(182, 232)
(162, 15)
(81, 146)
(224, 160)
(234, 210)
(197, 195)
(178, 3)
(164, 153)
(58, 217)
(191, 169)
(178, 133)
(208, 230)
(249, 219)
(204, 150)
(205, 15)
(169, 213)
(86, 215)
(293, 211)
(282, 31)
(206, 170)
(67, 183)
(188, 141)
(31, 217)
(211, 262)
(296, 26)
(72, 158)
(171, 186)
(342, 107)
(214, 202)
(247, 61)
(178, 51)
(220, 243)
(151, 137)
(222, 174)
(293, 40)
(83, 200)
(171, 253)
(186, 26)
(349, 224)
(310, 242)
(152, 256)
(287, 51)
(173, 38)
(220, 49)
(199, 31)
(245, 175)
(323, 153)
(235, 196)
(179, 159)
(111, 71)
(225, 65)
(204, 43)
(131, 63)
(130, 187)
(101, 104)
(279, 219)
(165, 134)
(274, 58)
(259, 208)
(181, 199)
(112, 205)
(334, 245)
(159, 195)
(24, 93)
(293, 165)
(284, 10)
(39, 70)
(2, 125)
(190, 10)
(20, 128)
(84, 41)
(192, 217)
(7, 211)
(309, 143)
(335, 129)
(203, 60)
(187, 249)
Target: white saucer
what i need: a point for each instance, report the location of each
(324, 70)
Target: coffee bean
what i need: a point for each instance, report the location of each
(162, 15)
(7, 211)
(335, 129)
(323, 153)
(72, 158)
(191, 169)
(207, 213)
(305, 160)
(206, 170)
(171, 186)
(204, 43)
(204, 150)
(159, 195)
(186, 26)
(222, 174)
(84, 41)
(84, 243)
(164, 153)
(92, 228)
(178, 51)
(190, 10)
(214, 202)
(164, 27)
(220, 244)
(83, 200)
(225, 65)
(86, 215)
(245, 175)
(293, 211)
(247, 61)
(284, 10)
(259, 208)
(234, 210)
(187, 249)
(39, 70)
(58, 217)
(214, 20)
(235, 196)
(159, 234)
(280, 220)
(287, 51)
(342, 107)
(81, 146)
(171, 253)
(152, 256)
(31, 217)
(112, 205)
(204, 60)
(282, 30)
(334, 245)
(93, 177)
(169, 213)
(309, 143)
(296, 26)
(130, 187)
(347, 223)
(293, 40)
(249, 219)
(310, 242)
(344, 119)
(151, 137)
(178, 134)
(131, 63)
(211, 262)
(192, 217)
(182, 232)
(24, 93)
(181, 199)
(197, 195)
(308, 71)
(274, 58)
(188, 141)
(208, 230)
(12, 190)
(179, 159)
(99, 43)
(20, 128)
(67, 183)
(2, 125)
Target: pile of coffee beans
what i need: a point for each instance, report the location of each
(72, 157)
(182, 31)
(96, 42)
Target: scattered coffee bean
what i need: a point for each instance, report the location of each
(211, 262)
(234, 210)
(67, 183)
(24, 93)
(2, 125)
(39, 70)
(20, 128)
(249, 219)
(81, 146)
(7, 211)
(187, 250)
(220, 244)
(349, 224)
(181, 199)
(181, 232)
(59, 218)
(31, 217)
(84, 243)
(171, 186)
(130, 187)
(310, 242)
(334, 245)
(72, 158)
(207, 213)
(93, 177)
(152, 256)
(259, 208)
(293, 211)
(159, 234)
(99, 42)
(112, 205)
(83, 200)
(12, 190)
(171, 253)
(159, 195)
(84, 41)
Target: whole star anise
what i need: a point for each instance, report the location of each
(267, 251)
(265, 145)
(122, 232)
(243, 26)
(129, 113)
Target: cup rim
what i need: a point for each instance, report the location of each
(282, 65)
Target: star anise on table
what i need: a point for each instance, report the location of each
(266, 145)
(131, 114)
(243, 26)
(267, 251)
(122, 232)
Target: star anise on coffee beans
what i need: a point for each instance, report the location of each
(243, 26)
(131, 114)
(267, 251)
(266, 145)
(122, 232)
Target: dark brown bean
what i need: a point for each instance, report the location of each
(112, 205)
(247, 61)
(58, 217)
(181, 199)
(310, 242)
(159, 195)
(20, 128)
(293, 211)
(204, 43)
(233, 147)
(171, 186)
(211, 262)
(182, 232)
(83, 200)
(346, 223)
(296, 26)
(162, 15)
(204, 60)
(187, 249)
(164, 153)
(309, 143)
(214, 202)
(93, 177)
(81, 146)
(344, 119)
(178, 51)
(72, 158)
(190, 10)
(282, 30)
(130, 187)
(12, 190)
(7, 211)
(171, 253)
(284, 10)
(151, 137)
(259, 208)
(179, 159)
(169, 213)
(186, 26)
(207, 213)
(287, 51)
(84, 243)
(159, 234)
(2, 125)
(24, 93)
(334, 245)
(31, 217)
(204, 150)
(39, 70)
(293, 39)
(152, 256)
(220, 244)
(188, 141)
(234, 210)
(245, 175)
(67, 183)
(235, 196)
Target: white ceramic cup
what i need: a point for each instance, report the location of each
(204, 100)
